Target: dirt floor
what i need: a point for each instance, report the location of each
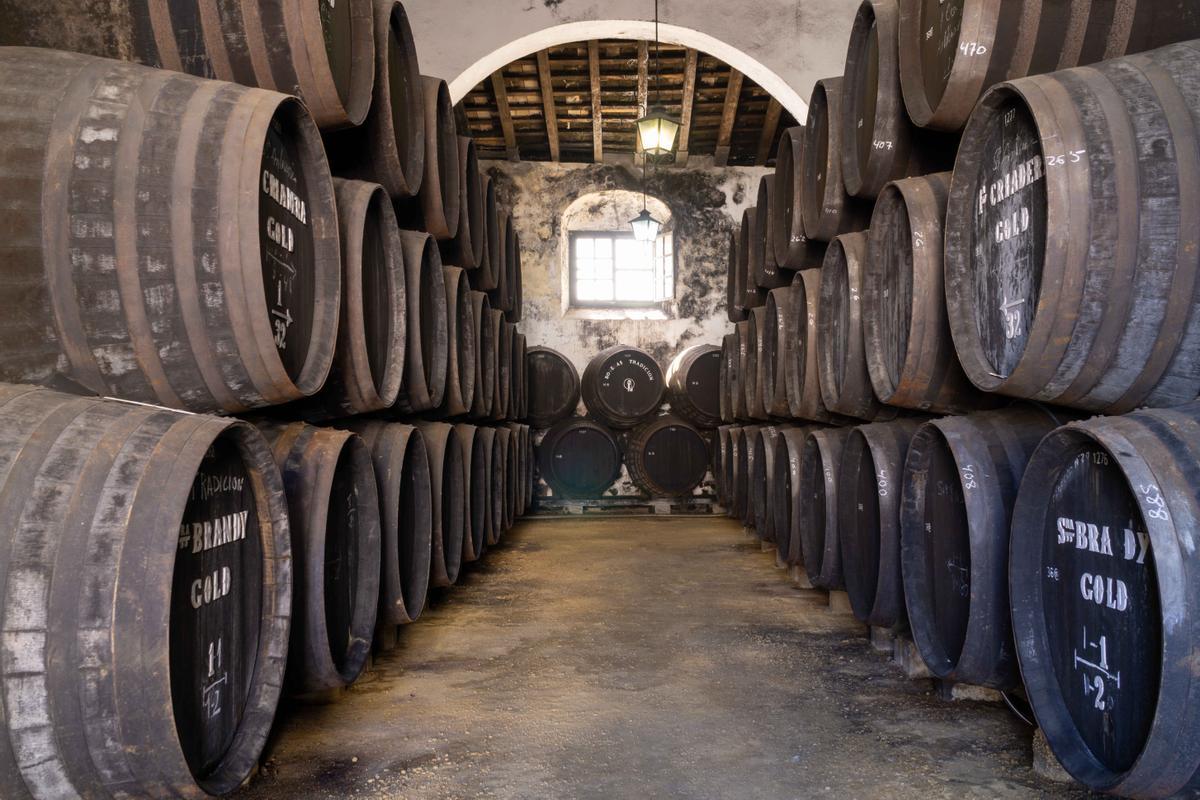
(641, 658)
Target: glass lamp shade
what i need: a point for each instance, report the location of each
(657, 132)
(645, 227)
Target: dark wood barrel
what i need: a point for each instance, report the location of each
(389, 147)
(841, 355)
(321, 51)
(621, 386)
(909, 349)
(516, 293)
(501, 293)
(502, 367)
(493, 517)
(510, 445)
(742, 468)
(960, 482)
(727, 376)
(520, 441)
(333, 505)
(869, 484)
(816, 516)
(784, 497)
(1104, 595)
(449, 501)
(436, 209)
(516, 382)
(734, 309)
(368, 364)
(217, 290)
(728, 462)
(761, 463)
(406, 516)
(552, 385)
(475, 465)
(767, 273)
(470, 238)
(484, 278)
(427, 352)
(950, 53)
(579, 458)
(826, 208)
(694, 385)
(752, 294)
(720, 467)
(666, 457)
(772, 366)
(800, 356)
(1072, 276)
(527, 446)
(747, 359)
(752, 375)
(485, 355)
(793, 249)
(180, 604)
(461, 364)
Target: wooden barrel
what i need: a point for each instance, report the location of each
(960, 482)
(516, 293)
(825, 207)
(405, 492)
(761, 463)
(727, 376)
(793, 249)
(800, 356)
(747, 359)
(910, 352)
(766, 267)
(436, 208)
(461, 364)
(484, 278)
(527, 436)
(217, 290)
(734, 310)
(470, 236)
(494, 478)
(666, 457)
(841, 355)
(693, 385)
(772, 366)
(579, 458)
(476, 462)
(485, 355)
(389, 147)
(519, 440)
(869, 484)
(1104, 596)
(951, 53)
(752, 294)
(784, 499)
(369, 361)
(510, 445)
(502, 269)
(742, 464)
(552, 385)
(1072, 276)
(333, 504)
(817, 514)
(323, 52)
(501, 366)
(109, 615)
(621, 386)
(516, 382)
(720, 467)
(449, 501)
(752, 376)
(427, 350)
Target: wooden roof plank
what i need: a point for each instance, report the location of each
(506, 123)
(733, 92)
(546, 81)
(597, 111)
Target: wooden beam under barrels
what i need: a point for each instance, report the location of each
(733, 91)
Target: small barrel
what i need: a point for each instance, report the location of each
(516, 293)
(389, 147)
(368, 364)
(494, 458)
(460, 336)
(752, 294)
(784, 498)
(470, 238)
(406, 517)
(501, 366)
(950, 53)
(666, 457)
(510, 445)
(485, 355)
(516, 381)
(476, 461)
(762, 480)
(910, 352)
(436, 209)
(793, 249)
(524, 467)
(483, 278)
(173, 241)
(820, 492)
(621, 386)
(449, 501)
(322, 51)
(694, 385)
(841, 355)
(721, 455)
(333, 504)
(552, 385)
(767, 273)
(772, 361)
(1072, 267)
(1105, 591)
(501, 294)
(868, 518)
(800, 357)
(734, 310)
(427, 349)
(751, 492)
(747, 358)
(752, 376)
(826, 208)
(579, 458)
(727, 376)
(960, 482)
(146, 566)
(729, 464)
(743, 445)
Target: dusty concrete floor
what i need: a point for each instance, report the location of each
(641, 658)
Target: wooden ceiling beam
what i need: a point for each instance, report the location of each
(643, 71)
(548, 108)
(767, 137)
(506, 123)
(689, 95)
(733, 91)
(597, 113)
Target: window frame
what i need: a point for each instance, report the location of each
(616, 305)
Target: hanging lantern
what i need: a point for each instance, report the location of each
(657, 132)
(645, 227)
